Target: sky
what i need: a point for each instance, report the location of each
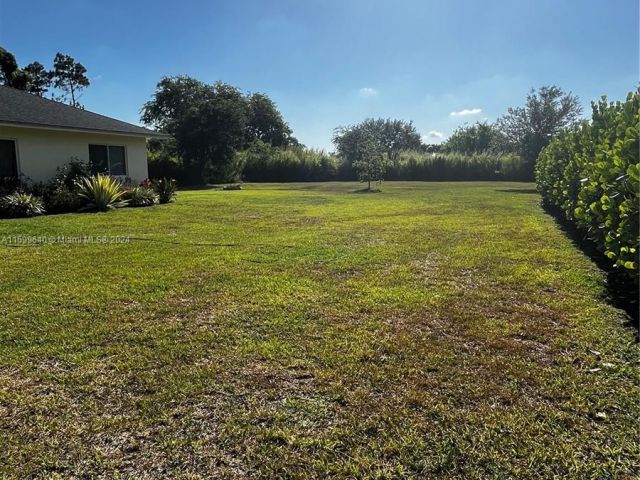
(328, 63)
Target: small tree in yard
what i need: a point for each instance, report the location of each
(371, 163)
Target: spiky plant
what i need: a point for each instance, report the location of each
(101, 193)
(20, 204)
(141, 197)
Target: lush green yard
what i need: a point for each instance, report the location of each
(304, 330)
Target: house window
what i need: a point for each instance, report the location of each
(8, 159)
(108, 158)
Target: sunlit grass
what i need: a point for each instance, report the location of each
(303, 330)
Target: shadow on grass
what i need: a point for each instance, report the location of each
(517, 190)
(622, 291)
(366, 190)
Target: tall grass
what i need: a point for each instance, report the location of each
(457, 166)
(264, 163)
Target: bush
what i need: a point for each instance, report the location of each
(591, 174)
(20, 204)
(62, 199)
(101, 192)
(165, 188)
(141, 196)
(9, 185)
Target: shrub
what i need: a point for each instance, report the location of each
(165, 188)
(591, 174)
(9, 185)
(141, 196)
(101, 192)
(62, 199)
(20, 204)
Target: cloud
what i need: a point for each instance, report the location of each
(466, 111)
(368, 92)
(97, 78)
(433, 134)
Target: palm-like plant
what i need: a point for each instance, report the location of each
(101, 192)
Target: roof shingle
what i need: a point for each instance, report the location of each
(25, 109)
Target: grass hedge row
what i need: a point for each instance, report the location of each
(591, 174)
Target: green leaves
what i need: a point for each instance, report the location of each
(591, 173)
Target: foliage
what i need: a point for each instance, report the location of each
(39, 78)
(61, 193)
(384, 135)
(370, 162)
(210, 123)
(591, 173)
(527, 130)
(455, 166)
(69, 76)
(266, 123)
(164, 188)
(101, 192)
(470, 139)
(140, 196)
(9, 185)
(21, 204)
(265, 163)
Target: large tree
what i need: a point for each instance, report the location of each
(10, 74)
(69, 76)
(390, 137)
(528, 129)
(265, 122)
(477, 138)
(211, 122)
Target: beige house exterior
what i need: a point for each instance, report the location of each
(37, 136)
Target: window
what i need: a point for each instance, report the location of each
(108, 158)
(8, 159)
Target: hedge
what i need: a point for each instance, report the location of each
(591, 174)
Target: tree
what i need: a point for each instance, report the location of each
(39, 78)
(211, 122)
(389, 136)
(10, 74)
(370, 162)
(527, 130)
(208, 122)
(266, 123)
(69, 76)
(477, 138)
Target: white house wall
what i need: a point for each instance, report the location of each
(41, 151)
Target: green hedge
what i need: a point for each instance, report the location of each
(591, 174)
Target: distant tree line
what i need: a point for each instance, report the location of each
(67, 76)
(222, 134)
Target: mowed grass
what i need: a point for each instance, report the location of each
(306, 331)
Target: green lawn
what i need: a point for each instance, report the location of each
(307, 331)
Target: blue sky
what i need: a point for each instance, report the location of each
(328, 62)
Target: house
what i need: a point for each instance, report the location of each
(38, 135)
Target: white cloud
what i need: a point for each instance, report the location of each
(97, 78)
(466, 111)
(433, 134)
(368, 92)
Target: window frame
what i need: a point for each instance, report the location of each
(107, 145)
(16, 151)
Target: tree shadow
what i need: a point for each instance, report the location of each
(517, 190)
(366, 190)
(621, 291)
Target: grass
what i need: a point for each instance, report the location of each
(303, 331)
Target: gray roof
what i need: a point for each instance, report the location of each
(28, 110)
